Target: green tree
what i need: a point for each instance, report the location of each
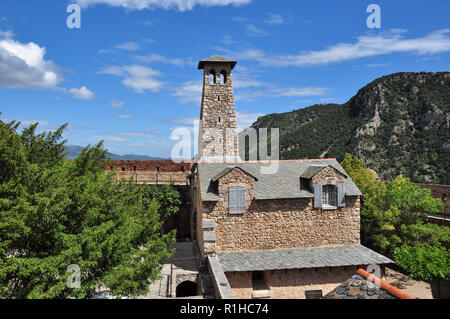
(166, 195)
(54, 213)
(394, 222)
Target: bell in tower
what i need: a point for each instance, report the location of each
(218, 139)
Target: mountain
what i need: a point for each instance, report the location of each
(398, 124)
(74, 150)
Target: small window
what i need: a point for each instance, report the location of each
(123, 169)
(134, 168)
(182, 168)
(218, 98)
(220, 119)
(328, 195)
(236, 199)
(158, 169)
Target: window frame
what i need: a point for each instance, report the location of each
(329, 196)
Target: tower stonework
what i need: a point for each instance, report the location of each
(218, 139)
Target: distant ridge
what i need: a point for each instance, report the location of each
(74, 150)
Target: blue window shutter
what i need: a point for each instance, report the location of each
(317, 196)
(232, 200)
(241, 202)
(236, 199)
(341, 195)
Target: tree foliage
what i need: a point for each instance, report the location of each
(54, 213)
(394, 221)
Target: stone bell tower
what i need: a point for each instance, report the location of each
(218, 139)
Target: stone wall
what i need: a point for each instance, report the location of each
(151, 171)
(284, 223)
(327, 176)
(176, 178)
(148, 166)
(291, 284)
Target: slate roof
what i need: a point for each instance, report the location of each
(281, 185)
(216, 58)
(356, 287)
(300, 258)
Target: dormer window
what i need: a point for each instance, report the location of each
(329, 196)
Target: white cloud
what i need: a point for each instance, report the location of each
(128, 46)
(275, 19)
(180, 5)
(299, 91)
(384, 43)
(144, 134)
(113, 70)
(124, 136)
(253, 31)
(245, 119)
(250, 54)
(117, 104)
(24, 66)
(239, 19)
(136, 77)
(26, 123)
(110, 138)
(188, 121)
(8, 34)
(377, 65)
(125, 116)
(227, 39)
(82, 93)
(190, 91)
(151, 58)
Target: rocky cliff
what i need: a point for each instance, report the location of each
(398, 124)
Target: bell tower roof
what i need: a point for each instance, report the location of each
(216, 59)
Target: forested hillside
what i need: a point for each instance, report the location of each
(398, 124)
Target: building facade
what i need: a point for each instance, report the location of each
(278, 235)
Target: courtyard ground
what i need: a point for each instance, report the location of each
(414, 288)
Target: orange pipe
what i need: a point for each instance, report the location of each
(392, 290)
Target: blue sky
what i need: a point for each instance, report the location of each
(129, 74)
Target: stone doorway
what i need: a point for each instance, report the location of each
(187, 289)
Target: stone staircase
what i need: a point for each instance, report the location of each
(209, 236)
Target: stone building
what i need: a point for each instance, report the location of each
(278, 235)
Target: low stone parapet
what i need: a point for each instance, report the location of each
(222, 288)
